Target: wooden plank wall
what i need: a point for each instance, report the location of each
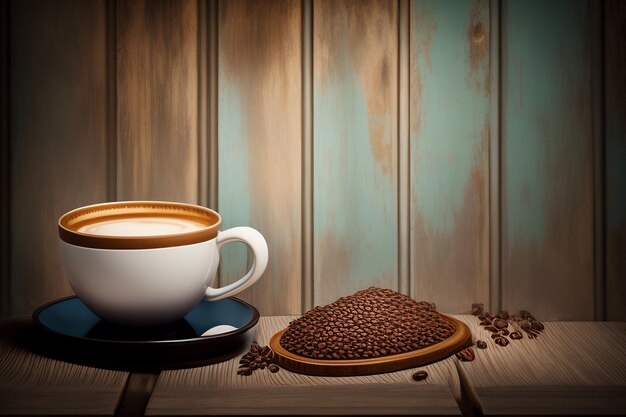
(453, 150)
(259, 131)
(547, 159)
(355, 113)
(449, 147)
(615, 105)
(157, 100)
(58, 147)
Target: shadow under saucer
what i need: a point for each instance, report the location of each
(69, 331)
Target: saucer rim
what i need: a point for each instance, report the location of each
(241, 330)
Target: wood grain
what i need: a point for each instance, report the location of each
(157, 92)
(259, 130)
(31, 384)
(355, 125)
(58, 146)
(217, 389)
(307, 155)
(404, 155)
(495, 191)
(5, 270)
(615, 131)
(450, 135)
(570, 368)
(547, 160)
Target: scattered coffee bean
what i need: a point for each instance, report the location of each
(368, 324)
(481, 344)
(243, 370)
(537, 326)
(466, 355)
(257, 358)
(501, 341)
(420, 375)
(273, 368)
(477, 309)
(498, 325)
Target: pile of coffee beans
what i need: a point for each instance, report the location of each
(498, 325)
(369, 324)
(257, 358)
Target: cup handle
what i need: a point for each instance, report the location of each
(257, 243)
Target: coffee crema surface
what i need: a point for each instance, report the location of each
(142, 226)
(138, 225)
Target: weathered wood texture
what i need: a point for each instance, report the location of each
(403, 136)
(571, 368)
(259, 131)
(157, 92)
(57, 147)
(31, 384)
(450, 133)
(547, 159)
(355, 113)
(217, 389)
(615, 131)
(5, 242)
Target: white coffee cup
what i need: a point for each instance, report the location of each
(147, 263)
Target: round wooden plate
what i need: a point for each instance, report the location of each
(460, 339)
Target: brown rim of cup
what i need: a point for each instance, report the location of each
(72, 221)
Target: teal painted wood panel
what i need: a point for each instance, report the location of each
(547, 159)
(615, 37)
(259, 142)
(58, 145)
(449, 146)
(355, 112)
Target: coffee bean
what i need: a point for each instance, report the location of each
(522, 322)
(273, 368)
(258, 358)
(500, 323)
(243, 370)
(481, 344)
(420, 375)
(501, 341)
(537, 325)
(526, 315)
(368, 324)
(477, 309)
(466, 355)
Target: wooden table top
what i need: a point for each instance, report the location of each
(217, 389)
(32, 384)
(571, 368)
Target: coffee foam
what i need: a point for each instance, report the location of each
(142, 226)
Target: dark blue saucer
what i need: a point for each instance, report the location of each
(70, 331)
